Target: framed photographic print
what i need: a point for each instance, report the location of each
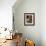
(29, 19)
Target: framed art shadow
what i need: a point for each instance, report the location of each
(29, 19)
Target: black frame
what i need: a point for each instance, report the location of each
(29, 17)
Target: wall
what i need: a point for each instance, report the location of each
(6, 13)
(6, 16)
(43, 22)
(29, 32)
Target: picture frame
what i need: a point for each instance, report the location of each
(29, 19)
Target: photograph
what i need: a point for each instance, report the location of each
(29, 19)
